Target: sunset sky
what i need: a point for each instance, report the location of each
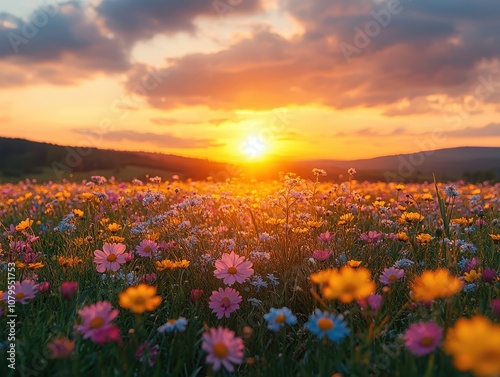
(230, 79)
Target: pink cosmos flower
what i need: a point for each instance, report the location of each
(391, 275)
(480, 223)
(147, 248)
(111, 333)
(224, 302)
(129, 257)
(423, 338)
(373, 302)
(96, 321)
(472, 264)
(321, 255)
(326, 237)
(391, 236)
(25, 290)
(110, 258)
(44, 287)
(232, 268)
(371, 237)
(223, 348)
(68, 289)
(195, 295)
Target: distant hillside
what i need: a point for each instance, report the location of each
(472, 163)
(21, 159)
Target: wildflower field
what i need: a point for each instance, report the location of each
(296, 277)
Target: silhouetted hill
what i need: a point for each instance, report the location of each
(483, 163)
(21, 159)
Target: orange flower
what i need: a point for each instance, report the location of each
(402, 236)
(23, 225)
(114, 227)
(411, 217)
(347, 284)
(424, 238)
(167, 264)
(140, 299)
(474, 345)
(354, 263)
(435, 284)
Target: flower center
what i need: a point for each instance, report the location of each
(148, 249)
(96, 322)
(325, 324)
(426, 341)
(232, 270)
(220, 350)
(138, 301)
(393, 278)
(226, 302)
(171, 321)
(350, 288)
(280, 318)
(111, 258)
(20, 296)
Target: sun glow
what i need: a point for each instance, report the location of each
(253, 147)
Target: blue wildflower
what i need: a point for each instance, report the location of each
(66, 225)
(277, 318)
(462, 263)
(258, 282)
(173, 325)
(466, 247)
(139, 229)
(324, 324)
(470, 288)
(273, 279)
(402, 263)
(451, 191)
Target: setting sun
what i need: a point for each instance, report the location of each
(253, 147)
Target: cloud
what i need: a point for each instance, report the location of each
(143, 19)
(418, 54)
(427, 48)
(371, 132)
(165, 140)
(490, 130)
(256, 73)
(67, 45)
(174, 121)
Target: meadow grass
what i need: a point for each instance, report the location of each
(277, 226)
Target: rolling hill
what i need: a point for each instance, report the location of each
(20, 158)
